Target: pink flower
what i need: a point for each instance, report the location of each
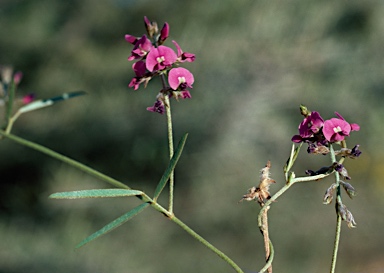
(336, 129)
(28, 98)
(183, 56)
(180, 78)
(354, 126)
(160, 58)
(139, 69)
(141, 48)
(17, 77)
(130, 39)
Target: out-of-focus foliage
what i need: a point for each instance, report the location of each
(256, 62)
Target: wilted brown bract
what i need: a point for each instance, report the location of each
(261, 193)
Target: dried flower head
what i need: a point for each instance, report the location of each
(261, 193)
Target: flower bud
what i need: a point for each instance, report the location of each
(164, 33)
(304, 110)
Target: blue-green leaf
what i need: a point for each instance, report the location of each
(95, 193)
(48, 102)
(114, 224)
(171, 167)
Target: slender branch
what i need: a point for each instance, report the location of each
(267, 241)
(338, 221)
(270, 259)
(336, 244)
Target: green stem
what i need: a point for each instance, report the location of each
(116, 183)
(11, 97)
(338, 221)
(336, 244)
(170, 145)
(207, 244)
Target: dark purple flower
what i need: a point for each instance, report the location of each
(181, 94)
(158, 107)
(355, 152)
(160, 58)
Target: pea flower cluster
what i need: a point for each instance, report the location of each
(154, 59)
(320, 135)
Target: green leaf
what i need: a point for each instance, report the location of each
(292, 158)
(114, 224)
(48, 102)
(95, 193)
(171, 167)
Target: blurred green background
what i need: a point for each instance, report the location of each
(256, 62)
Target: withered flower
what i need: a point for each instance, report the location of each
(261, 193)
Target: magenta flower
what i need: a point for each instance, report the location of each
(130, 39)
(160, 58)
(354, 126)
(336, 129)
(180, 78)
(140, 70)
(28, 98)
(183, 56)
(141, 48)
(310, 126)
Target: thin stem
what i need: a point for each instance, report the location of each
(170, 145)
(338, 221)
(207, 244)
(336, 244)
(268, 264)
(11, 97)
(267, 241)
